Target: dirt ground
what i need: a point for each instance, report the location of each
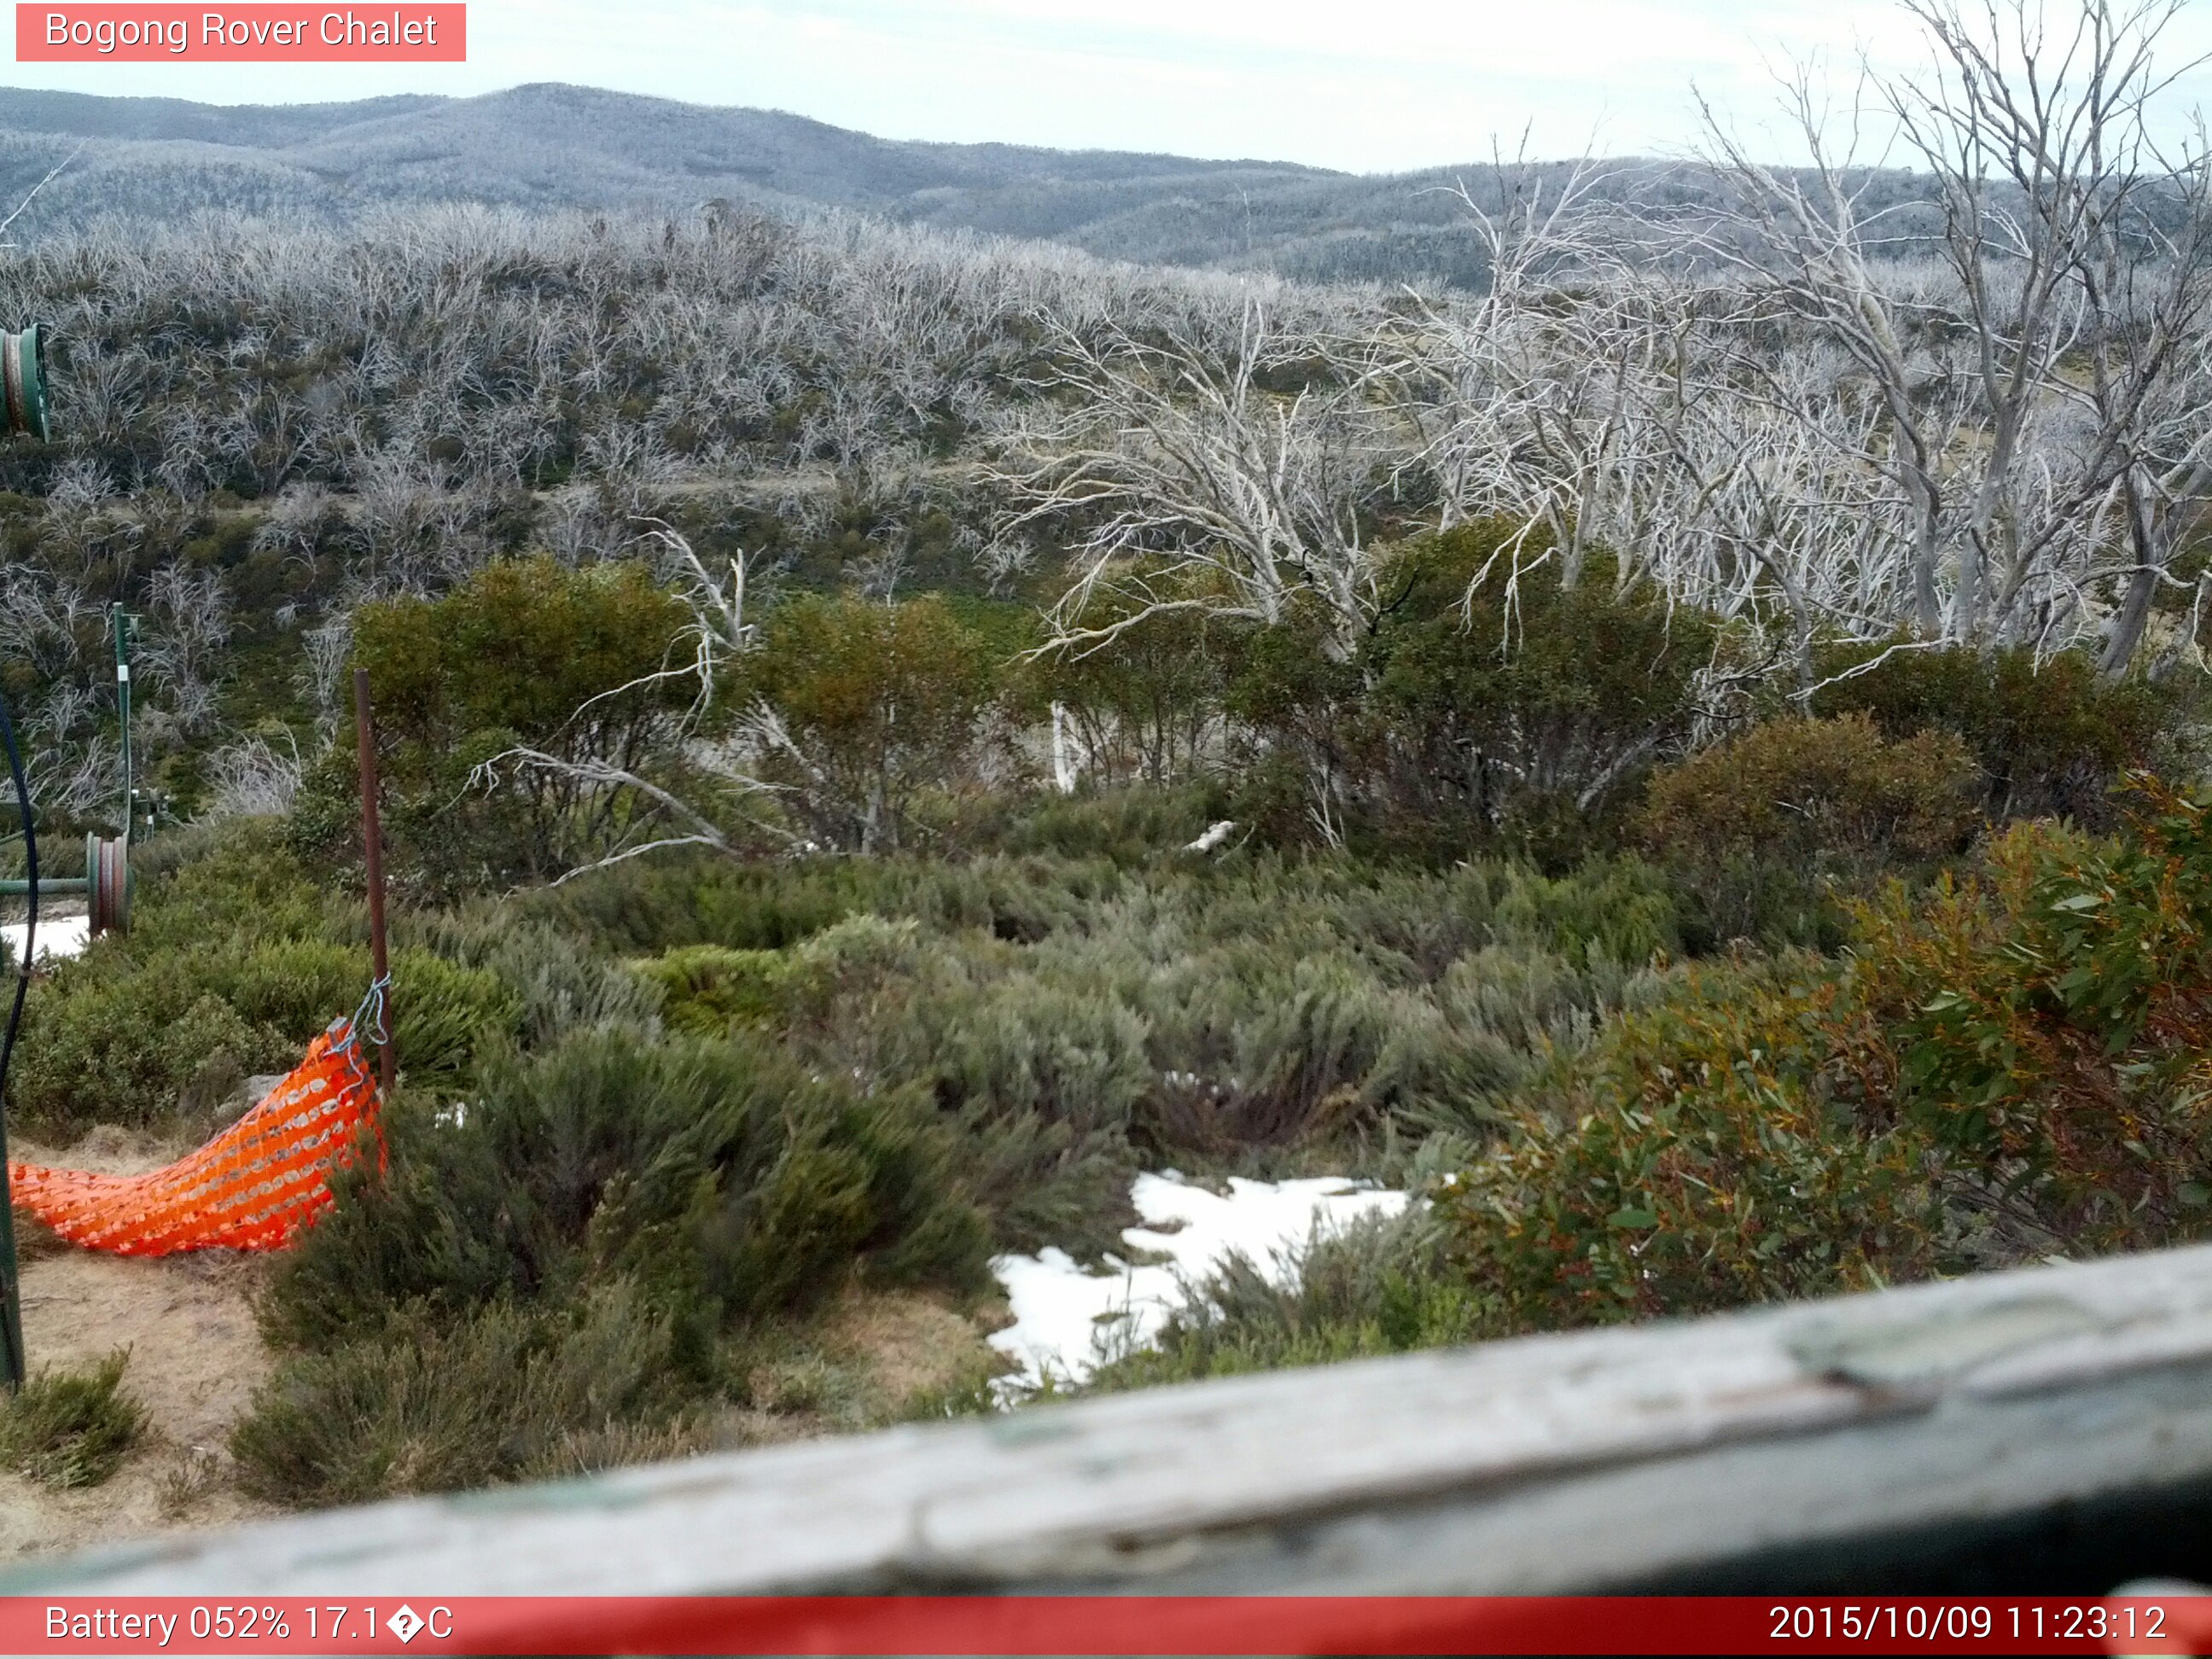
(196, 1357)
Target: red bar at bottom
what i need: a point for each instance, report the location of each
(1102, 1624)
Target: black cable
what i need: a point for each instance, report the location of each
(30, 898)
(11, 1313)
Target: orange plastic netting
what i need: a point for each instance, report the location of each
(252, 1188)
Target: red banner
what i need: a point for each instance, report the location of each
(1085, 1624)
(260, 34)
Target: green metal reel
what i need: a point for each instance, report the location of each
(23, 372)
(106, 884)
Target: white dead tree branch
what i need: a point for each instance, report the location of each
(715, 636)
(2032, 351)
(1191, 483)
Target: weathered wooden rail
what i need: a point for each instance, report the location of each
(2049, 1429)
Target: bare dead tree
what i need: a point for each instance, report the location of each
(2040, 403)
(1240, 497)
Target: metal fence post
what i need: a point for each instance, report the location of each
(372, 835)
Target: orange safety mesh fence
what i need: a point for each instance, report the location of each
(252, 1188)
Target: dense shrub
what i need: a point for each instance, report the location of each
(1814, 791)
(1131, 825)
(651, 906)
(197, 890)
(1041, 1084)
(872, 703)
(1142, 703)
(2051, 737)
(1757, 898)
(140, 1030)
(556, 983)
(2010, 1065)
(295, 985)
(1215, 1012)
(549, 1275)
(1735, 1142)
(2052, 1021)
(724, 1179)
(518, 646)
(708, 990)
(524, 653)
(1044, 1082)
(1483, 705)
(235, 963)
(1771, 831)
(136, 1049)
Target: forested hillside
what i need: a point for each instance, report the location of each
(1683, 750)
(164, 161)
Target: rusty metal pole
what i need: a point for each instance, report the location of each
(372, 837)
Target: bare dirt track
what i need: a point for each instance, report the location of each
(196, 1357)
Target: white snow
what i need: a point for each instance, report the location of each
(58, 936)
(1066, 1319)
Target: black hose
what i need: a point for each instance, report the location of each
(31, 883)
(11, 1312)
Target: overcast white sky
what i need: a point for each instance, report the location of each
(1366, 85)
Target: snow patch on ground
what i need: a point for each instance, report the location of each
(1066, 1319)
(58, 936)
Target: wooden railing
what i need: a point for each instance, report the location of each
(2052, 1426)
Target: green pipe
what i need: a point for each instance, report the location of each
(125, 626)
(15, 887)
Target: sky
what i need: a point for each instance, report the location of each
(1360, 85)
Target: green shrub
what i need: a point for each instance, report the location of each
(2008, 1065)
(1039, 1083)
(1734, 1143)
(729, 1182)
(72, 1429)
(242, 883)
(1131, 826)
(231, 964)
(1045, 1084)
(1613, 911)
(2051, 737)
(1776, 903)
(1815, 792)
(444, 1017)
(1480, 707)
(296, 986)
(1144, 704)
(104, 1043)
(519, 645)
(506, 1392)
(1509, 1013)
(553, 980)
(645, 907)
(710, 989)
(1071, 1018)
(879, 703)
(524, 653)
(2052, 1019)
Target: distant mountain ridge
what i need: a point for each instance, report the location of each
(549, 143)
(557, 145)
